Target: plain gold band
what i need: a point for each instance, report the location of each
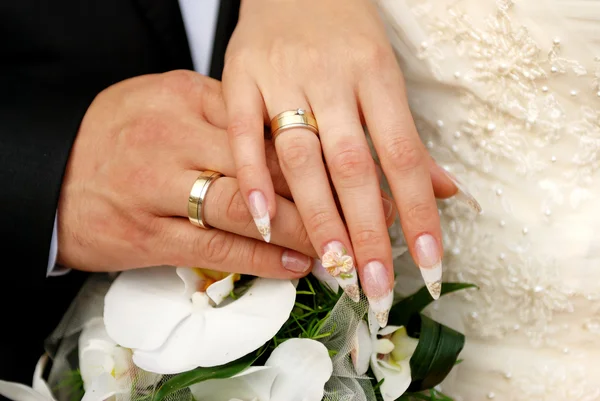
(197, 195)
(298, 118)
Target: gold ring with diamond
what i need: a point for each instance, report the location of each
(298, 118)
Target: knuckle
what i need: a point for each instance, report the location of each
(366, 238)
(236, 61)
(402, 153)
(374, 57)
(255, 254)
(240, 128)
(352, 162)
(216, 247)
(236, 208)
(297, 153)
(421, 213)
(301, 236)
(179, 82)
(320, 221)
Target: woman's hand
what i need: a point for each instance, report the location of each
(123, 205)
(332, 58)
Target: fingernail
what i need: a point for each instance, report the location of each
(340, 265)
(388, 208)
(260, 214)
(378, 289)
(463, 195)
(430, 263)
(295, 261)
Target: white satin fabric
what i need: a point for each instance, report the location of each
(506, 95)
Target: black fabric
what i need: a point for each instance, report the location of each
(55, 57)
(228, 17)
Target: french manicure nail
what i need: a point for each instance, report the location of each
(378, 288)
(295, 261)
(430, 263)
(260, 214)
(463, 195)
(387, 208)
(340, 265)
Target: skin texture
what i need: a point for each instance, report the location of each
(141, 146)
(332, 58)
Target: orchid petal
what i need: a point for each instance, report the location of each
(101, 388)
(143, 306)
(397, 377)
(20, 392)
(253, 383)
(304, 367)
(363, 348)
(95, 351)
(216, 336)
(92, 330)
(324, 277)
(38, 383)
(221, 289)
(383, 346)
(404, 346)
(192, 280)
(93, 363)
(390, 330)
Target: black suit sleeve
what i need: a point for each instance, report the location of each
(38, 122)
(55, 57)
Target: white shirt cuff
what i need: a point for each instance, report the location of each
(54, 270)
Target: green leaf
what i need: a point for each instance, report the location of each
(435, 355)
(186, 379)
(403, 311)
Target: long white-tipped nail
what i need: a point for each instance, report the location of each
(430, 263)
(340, 265)
(379, 290)
(463, 195)
(260, 214)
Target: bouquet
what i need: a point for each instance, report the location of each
(174, 333)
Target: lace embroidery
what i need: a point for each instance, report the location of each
(513, 120)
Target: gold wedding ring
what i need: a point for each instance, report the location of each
(298, 118)
(197, 195)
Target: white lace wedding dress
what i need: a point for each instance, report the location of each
(506, 95)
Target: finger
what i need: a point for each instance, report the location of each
(354, 176)
(389, 210)
(202, 146)
(201, 95)
(302, 164)
(175, 191)
(182, 244)
(406, 163)
(442, 181)
(445, 185)
(246, 136)
(224, 208)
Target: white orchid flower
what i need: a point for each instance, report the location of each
(107, 369)
(296, 370)
(388, 352)
(174, 322)
(39, 390)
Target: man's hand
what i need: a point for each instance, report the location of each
(141, 145)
